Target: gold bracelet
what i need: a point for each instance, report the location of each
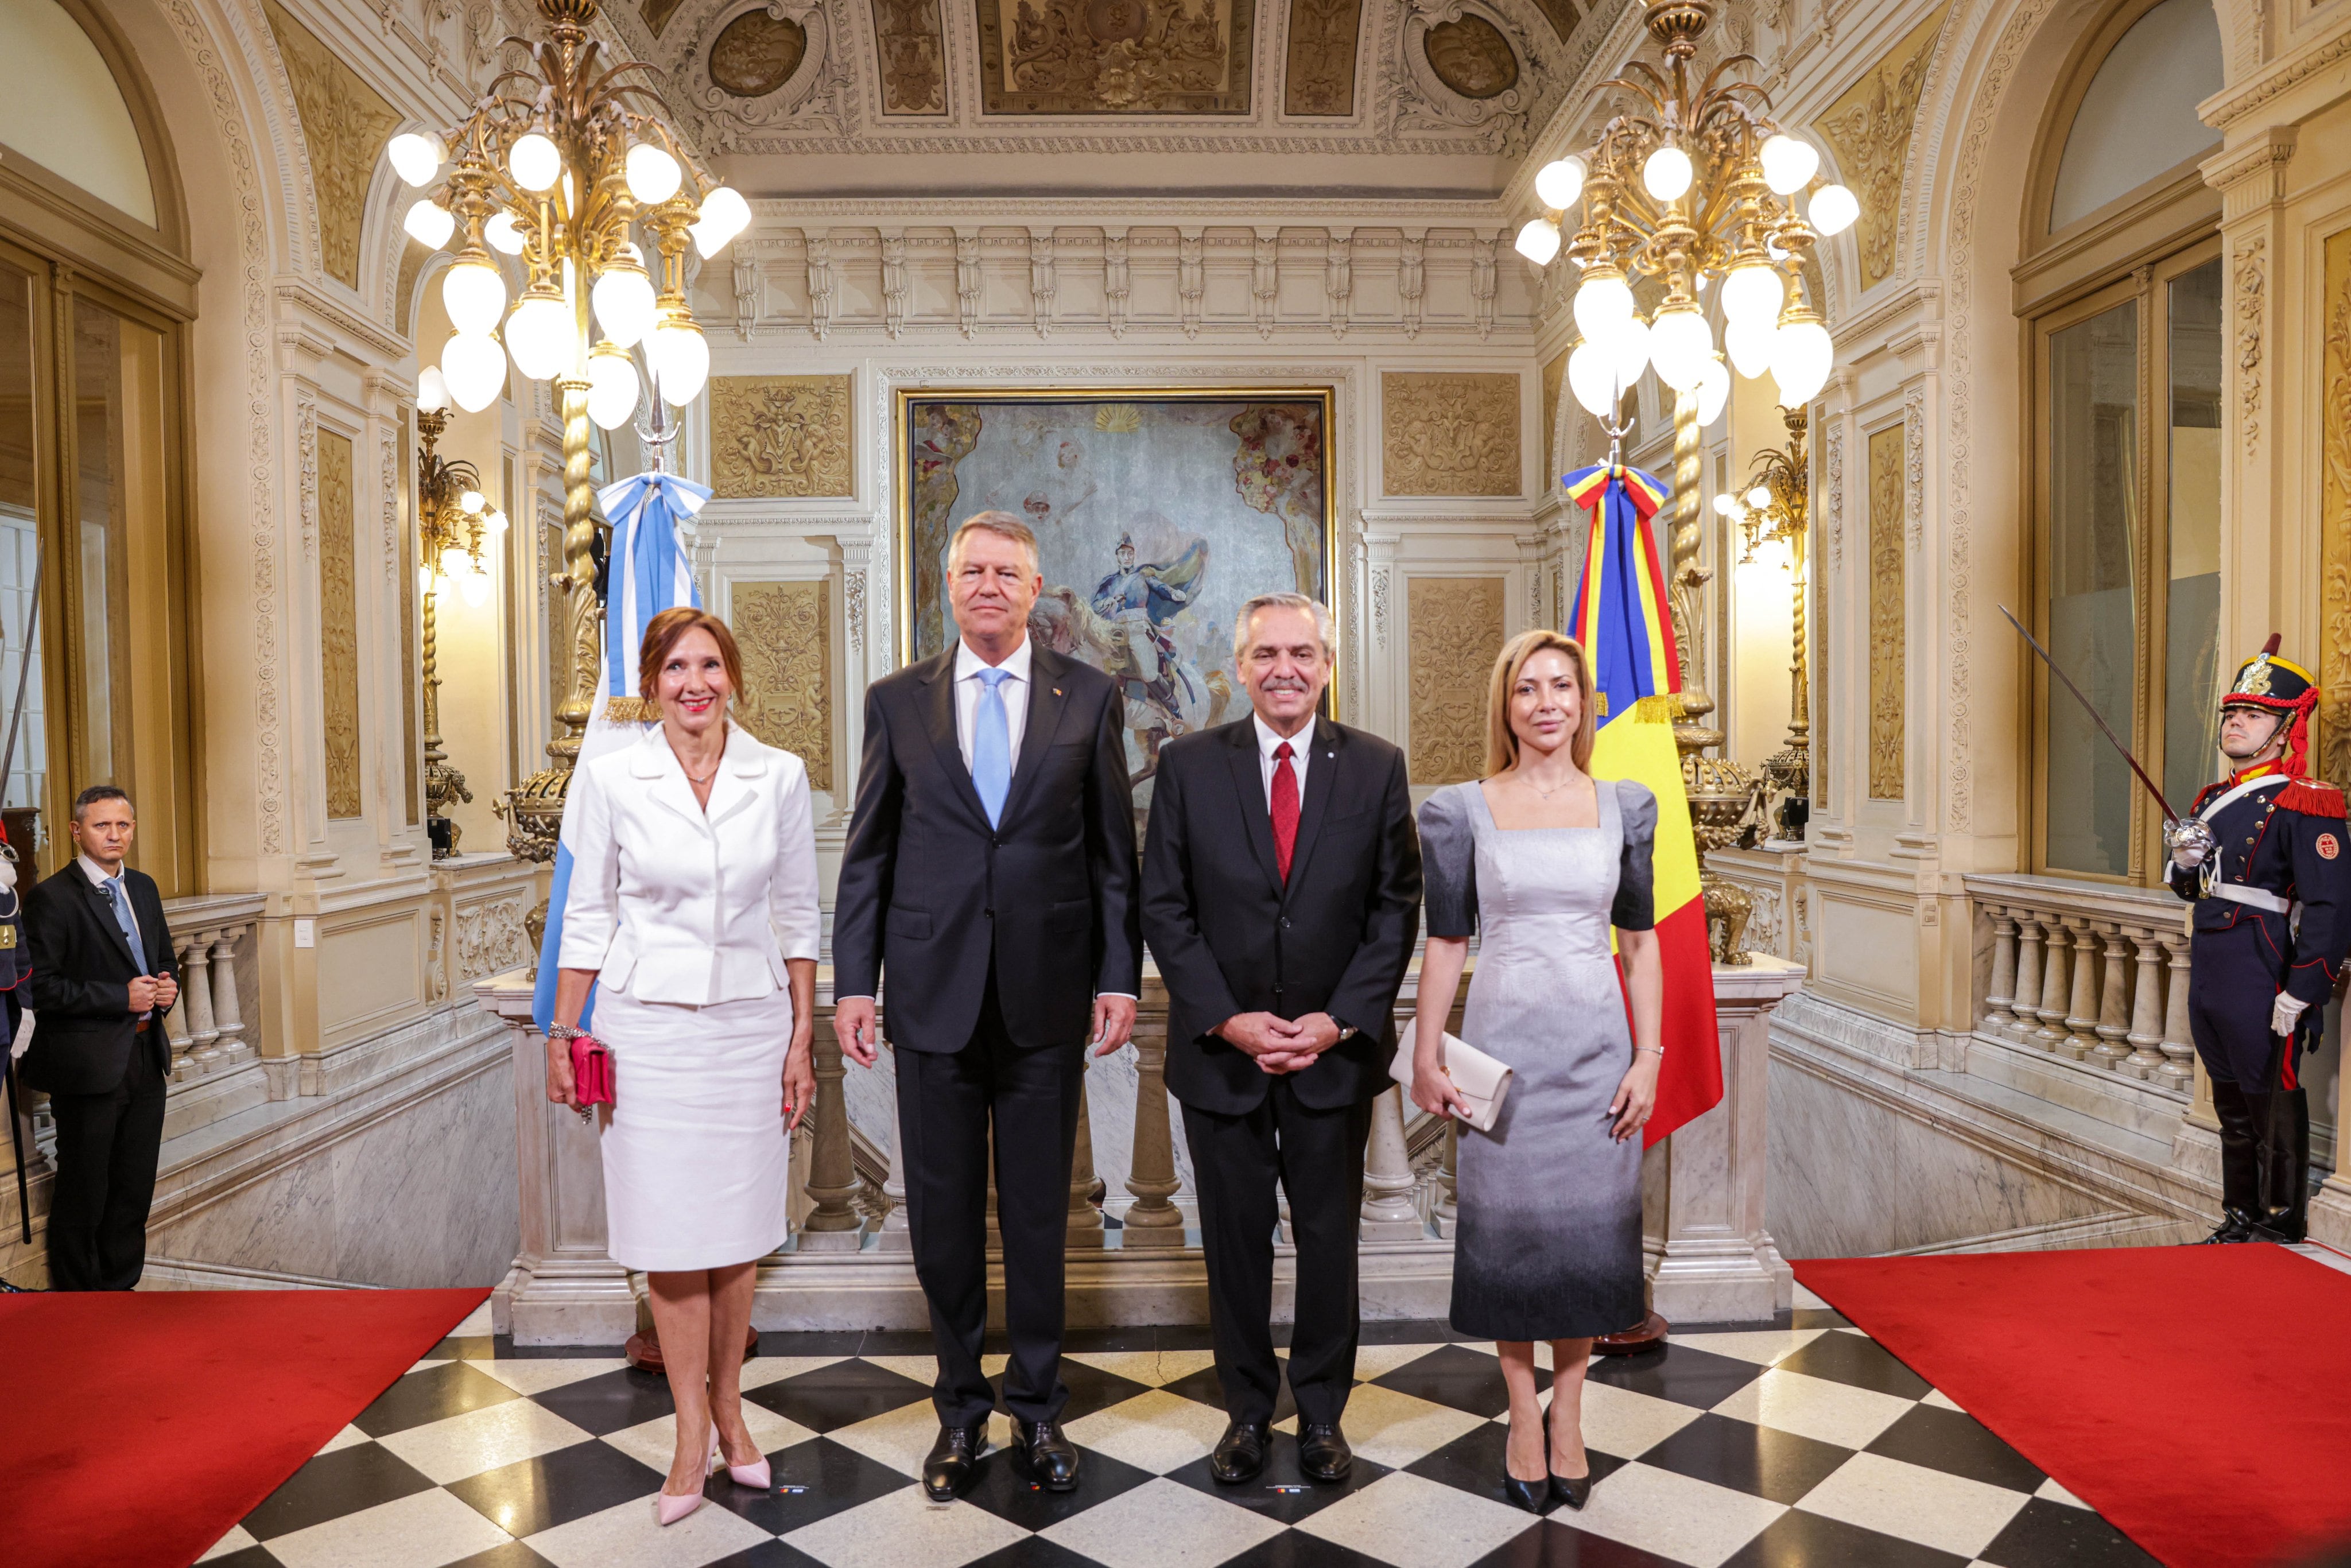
(1659, 1049)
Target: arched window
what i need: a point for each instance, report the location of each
(95, 294)
(2123, 293)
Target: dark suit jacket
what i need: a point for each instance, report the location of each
(80, 983)
(928, 893)
(1231, 938)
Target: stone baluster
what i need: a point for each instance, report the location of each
(2147, 1006)
(196, 993)
(228, 1016)
(834, 1224)
(1151, 1221)
(1449, 1205)
(2028, 976)
(2178, 1069)
(2000, 995)
(2050, 1034)
(2082, 1001)
(894, 1235)
(2112, 1025)
(1387, 1212)
(1085, 1227)
(176, 1032)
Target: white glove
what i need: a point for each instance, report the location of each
(2190, 840)
(23, 1034)
(2282, 1013)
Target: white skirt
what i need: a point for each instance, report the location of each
(697, 1156)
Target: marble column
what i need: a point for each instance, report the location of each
(228, 1016)
(1151, 1221)
(2000, 995)
(1387, 1212)
(894, 1237)
(2028, 978)
(196, 997)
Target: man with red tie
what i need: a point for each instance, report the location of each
(1280, 897)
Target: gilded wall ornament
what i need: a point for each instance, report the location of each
(1115, 56)
(1887, 621)
(1870, 128)
(913, 54)
(1450, 434)
(344, 123)
(779, 436)
(785, 632)
(2334, 520)
(1471, 57)
(338, 632)
(755, 54)
(1318, 78)
(1455, 625)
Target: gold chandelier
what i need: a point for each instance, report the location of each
(1699, 187)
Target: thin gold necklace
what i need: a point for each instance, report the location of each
(1529, 779)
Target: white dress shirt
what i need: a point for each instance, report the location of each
(968, 687)
(99, 877)
(673, 902)
(1300, 746)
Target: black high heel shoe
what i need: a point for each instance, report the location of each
(1575, 1492)
(1533, 1496)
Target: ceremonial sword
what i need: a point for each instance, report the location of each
(2174, 823)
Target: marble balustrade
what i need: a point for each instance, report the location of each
(2089, 973)
(213, 941)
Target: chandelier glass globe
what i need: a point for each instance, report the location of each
(1748, 344)
(476, 369)
(429, 224)
(1628, 349)
(416, 157)
(1681, 346)
(542, 336)
(1537, 240)
(1834, 209)
(1560, 183)
(1789, 163)
(535, 161)
(1592, 377)
(474, 296)
(1603, 301)
(613, 391)
(652, 174)
(725, 214)
(1753, 292)
(1801, 354)
(1713, 391)
(506, 235)
(679, 357)
(432, 390)
(624, 298)
(1668, 172)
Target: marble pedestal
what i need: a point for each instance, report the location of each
(1710, 1259)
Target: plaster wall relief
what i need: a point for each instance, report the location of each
(338, 635)
(1454, 627)
(657, 13)
(491, 938)
(2251, 279)
(1320, 74)
(1888, 625)
(756, 53)
(345, 123)
(785, 629)
(1450, 434)
(1115, 56)
(780, 436)
(1562, 16)
(1554, 376)
(2335, 519)
(911, 49)
(1869, 127)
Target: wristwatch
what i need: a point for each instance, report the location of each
(1347, 1031)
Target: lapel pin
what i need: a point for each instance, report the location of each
(1057, 691)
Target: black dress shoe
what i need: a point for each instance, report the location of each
(1572, 1492)
(951, 1461)
(1240, 1453)
(2235, 1225)
(1323, 1454)
(2282, 1225)
(1529, 1495)
(1050, 1459)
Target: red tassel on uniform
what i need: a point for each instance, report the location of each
(2312, 798)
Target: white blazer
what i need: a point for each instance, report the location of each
(671, 903)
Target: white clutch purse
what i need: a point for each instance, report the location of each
(1481, 1078)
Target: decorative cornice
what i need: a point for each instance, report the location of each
(1100, 212)
(307, 296)
(2227, 107)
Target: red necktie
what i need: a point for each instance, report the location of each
(1285, 808)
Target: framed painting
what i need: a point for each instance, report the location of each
(1158, 514)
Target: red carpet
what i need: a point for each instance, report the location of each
(2199, 1398)
(141, 1426)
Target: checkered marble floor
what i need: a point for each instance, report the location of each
(1800, 1444)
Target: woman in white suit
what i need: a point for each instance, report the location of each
(693, 909)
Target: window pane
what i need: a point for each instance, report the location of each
(118, 501)
(27, 767)
(2093, 498)
(2192, 617)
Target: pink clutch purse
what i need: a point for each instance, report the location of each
(592, 1072)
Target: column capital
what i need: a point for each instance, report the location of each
(2250, 174)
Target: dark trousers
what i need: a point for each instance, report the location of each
(947, 1104)
(106, 1148)
(1318, 1158)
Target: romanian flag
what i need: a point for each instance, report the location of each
(1622, 620)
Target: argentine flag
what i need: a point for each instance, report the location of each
(651, 572)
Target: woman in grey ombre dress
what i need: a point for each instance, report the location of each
(1540, 861)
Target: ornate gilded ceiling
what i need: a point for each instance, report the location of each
(896, 97)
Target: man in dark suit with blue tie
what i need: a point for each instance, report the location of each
(103, 978)
(990, 871)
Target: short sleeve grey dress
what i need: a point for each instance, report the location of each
(1549, 1239)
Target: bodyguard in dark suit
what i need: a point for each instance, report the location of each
(1280, 897)
(103, 978)
(989, 871)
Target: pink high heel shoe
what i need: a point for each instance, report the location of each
(669, 1508)
(759, 1476)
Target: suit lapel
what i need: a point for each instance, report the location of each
(939, 719)
(655, 761)
(1046, 705)
(106, 920)
(1321, 778)
(1249, 784)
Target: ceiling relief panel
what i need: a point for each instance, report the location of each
(748, 68)
(1563, 15)
(1319, 73)
(1471, 57)
(1115, 56)
(657, 14)
(911, 50)
(755, 54)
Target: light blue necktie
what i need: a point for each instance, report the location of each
(123, 913)
(991, 745)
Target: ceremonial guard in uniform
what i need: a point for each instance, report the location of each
(2263, 856)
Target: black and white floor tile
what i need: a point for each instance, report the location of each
(1803, 1445)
